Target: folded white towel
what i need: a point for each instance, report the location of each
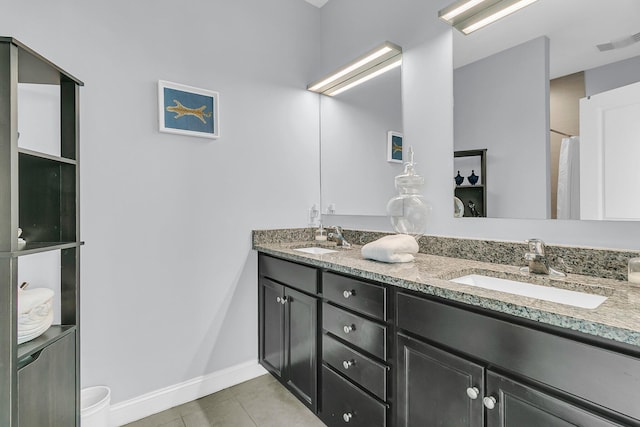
(30, 298)
(392, 249)
(34, 324)
(35, 313)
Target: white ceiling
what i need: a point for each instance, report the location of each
(574, 27)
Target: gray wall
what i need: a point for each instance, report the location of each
(168, 274)
(502, 104)
(612, 76)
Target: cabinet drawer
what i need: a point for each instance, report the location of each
(363, 333)
(345, 404)
(592, 373)
(369, 374)
(359, 296)
(289, 273)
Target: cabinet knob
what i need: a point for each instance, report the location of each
(347, 416)
(489, 402)
(349, 328)
(473, 393)
(348, 363)
(347, 293)
(282, 300)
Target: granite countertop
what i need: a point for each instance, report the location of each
(618, 318)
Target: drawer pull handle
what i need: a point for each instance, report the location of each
(349, 328)
(347, 294)
(473, 393)
(347, 416)
(348, 363)
(489, 402)
(282, 300)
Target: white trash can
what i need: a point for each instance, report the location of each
(94, 406)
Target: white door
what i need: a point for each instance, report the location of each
(610, 154)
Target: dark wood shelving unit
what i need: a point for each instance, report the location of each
(39, 192)
(474, 194)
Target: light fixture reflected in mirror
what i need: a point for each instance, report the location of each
(377, 61)
(468, 16)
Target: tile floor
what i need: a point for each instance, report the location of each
(261, 402)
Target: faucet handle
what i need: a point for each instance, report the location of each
(536, 246)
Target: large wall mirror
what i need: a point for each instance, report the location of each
(357, 177)
(551, 97)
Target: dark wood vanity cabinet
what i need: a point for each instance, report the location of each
(521, 405)
(288, 324)
(462, 368)
(433, 384)
(356, 344)
(360, 353)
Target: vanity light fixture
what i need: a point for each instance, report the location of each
(373, 63)
(468, 16)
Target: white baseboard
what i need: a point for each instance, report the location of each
(168, 397)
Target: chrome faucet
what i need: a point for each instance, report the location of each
(538, 262)
(334, 234)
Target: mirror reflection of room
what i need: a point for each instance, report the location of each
(355, 128)
(538, 106)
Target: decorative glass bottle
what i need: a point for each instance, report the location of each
(409, 211)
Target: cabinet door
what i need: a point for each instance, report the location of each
(433, 387)
(518, 405)
(271, 326)
(301, 345)
(47, 386)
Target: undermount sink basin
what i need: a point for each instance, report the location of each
(546, 293)
(315, 250)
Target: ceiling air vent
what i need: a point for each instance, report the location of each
(617, 44)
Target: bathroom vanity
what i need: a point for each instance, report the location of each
(369, 344)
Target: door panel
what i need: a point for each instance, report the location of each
(432, 387)
(609, 131)
(519, 405)
(47, 386)
(272, 333)
(301, 345)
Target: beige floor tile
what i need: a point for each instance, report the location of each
(204, 402)
(168, 418)
(275, 406)
(261, 402)
(227, 413)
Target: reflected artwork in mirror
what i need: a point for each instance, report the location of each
(357, 177)
(536, 90)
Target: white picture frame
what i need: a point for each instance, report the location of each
(188, 110)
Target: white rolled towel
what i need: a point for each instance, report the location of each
(394, 248)
(35, 313)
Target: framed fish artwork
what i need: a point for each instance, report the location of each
(188, 110)
(394, 147)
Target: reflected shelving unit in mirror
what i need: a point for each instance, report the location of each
(39, 192)
(473, 189)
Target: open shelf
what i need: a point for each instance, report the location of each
(47, 199)
(40, 155)
(37, 247)
(474, 195)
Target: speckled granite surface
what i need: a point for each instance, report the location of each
(595, 262)
(618, 318)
